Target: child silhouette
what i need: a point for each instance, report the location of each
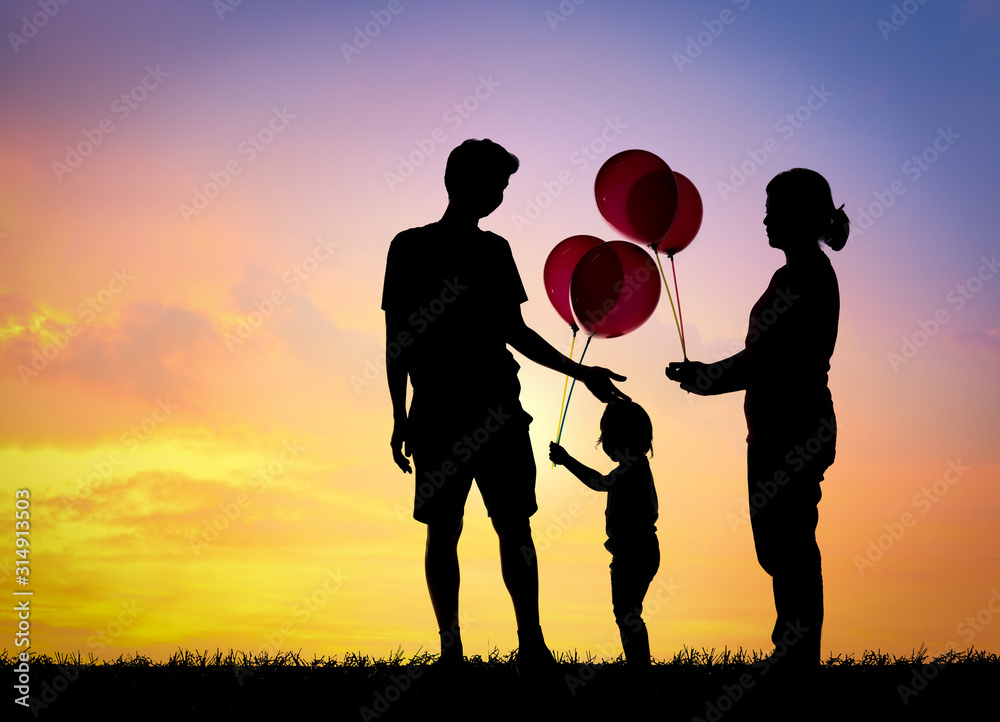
(626, 436)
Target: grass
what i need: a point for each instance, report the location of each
(705, 684)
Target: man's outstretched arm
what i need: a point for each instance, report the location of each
(527, 342)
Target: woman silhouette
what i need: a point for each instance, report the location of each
(791, 425)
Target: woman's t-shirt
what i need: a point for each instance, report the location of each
(791, 337)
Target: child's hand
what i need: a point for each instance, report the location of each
(557, 454)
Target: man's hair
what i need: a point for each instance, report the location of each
(475, 159)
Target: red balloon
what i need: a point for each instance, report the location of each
(558, 271)
(637, 194)
(688, 219)
(614, 290)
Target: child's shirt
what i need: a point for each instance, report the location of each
(632, 506)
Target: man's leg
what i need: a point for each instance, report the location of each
(520, 575)
(441, 568)
(505, 474)
(520, 572)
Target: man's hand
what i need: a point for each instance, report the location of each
(557, 454)
(598, 381)
(686, 373)
(399, 453)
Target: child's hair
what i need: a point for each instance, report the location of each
(626, 426)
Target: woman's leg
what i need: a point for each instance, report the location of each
(784, 515)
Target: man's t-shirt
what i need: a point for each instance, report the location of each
(455, 295)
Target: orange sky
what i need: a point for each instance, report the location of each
(196, 402)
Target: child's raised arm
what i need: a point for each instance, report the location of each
(588, 476)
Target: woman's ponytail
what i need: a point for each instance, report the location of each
(840, 228)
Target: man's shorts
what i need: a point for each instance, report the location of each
(492, 447)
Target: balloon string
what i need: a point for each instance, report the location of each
(565, 386)
(667, 285)
(680, 314)
(568, 398)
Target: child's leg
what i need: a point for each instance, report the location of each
(630, 579)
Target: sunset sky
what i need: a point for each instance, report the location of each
(197, 200)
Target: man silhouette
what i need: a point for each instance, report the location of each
(452, 300)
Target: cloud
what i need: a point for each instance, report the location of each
(149, 350)
(159, 512)
(986, 338)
